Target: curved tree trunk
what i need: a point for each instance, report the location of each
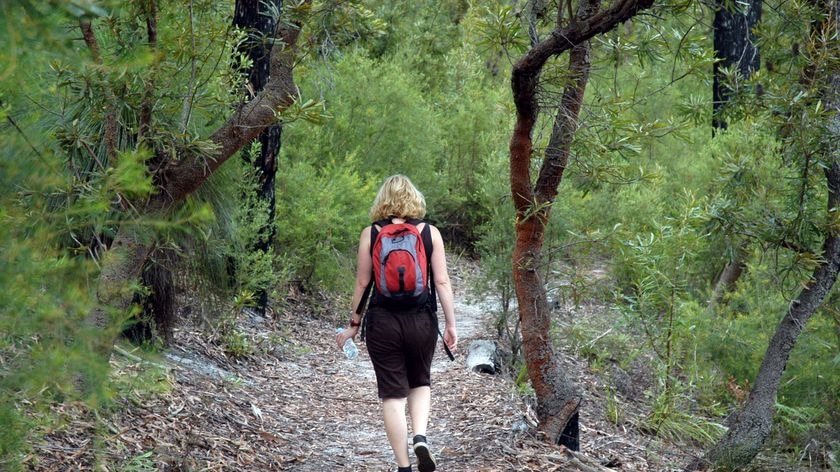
(255, 16)
(123, 261)
(558, 398)
(750, 427)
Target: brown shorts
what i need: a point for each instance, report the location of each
(401, 345)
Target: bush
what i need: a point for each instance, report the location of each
(320, 213)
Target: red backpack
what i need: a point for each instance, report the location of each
(401, 264)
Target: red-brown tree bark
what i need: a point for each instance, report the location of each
(558, 398)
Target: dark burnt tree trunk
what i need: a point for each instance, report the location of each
(558, 398)
(123, 262)
(258, 18)
(750, 426)
(735, 47)
(156, 320)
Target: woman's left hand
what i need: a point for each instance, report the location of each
(450, 337)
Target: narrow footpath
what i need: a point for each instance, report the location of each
(295, 403)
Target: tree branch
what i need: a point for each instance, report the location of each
(565, 124)
(186, 109)
(146, 106)
(90, 40)
(110, 125)
(524, 79)
(248, 121)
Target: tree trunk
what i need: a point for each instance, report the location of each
(122, 265)
(751, 425)
(558, 398)
(728, 279)
(157, 319)
(735, 46)
(255, 16)
(123, 261)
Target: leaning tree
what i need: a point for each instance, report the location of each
(180, 173)
(811, 129)
(558, 397)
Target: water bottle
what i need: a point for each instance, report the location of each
(350, 349)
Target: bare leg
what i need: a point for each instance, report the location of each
(393, 410)
(419, 404)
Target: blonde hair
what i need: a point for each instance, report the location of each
(398, 198)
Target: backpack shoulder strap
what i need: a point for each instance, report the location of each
(428, 245)
(374, 232)
(375, 227)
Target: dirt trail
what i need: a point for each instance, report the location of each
(464, 405)
(297, 404)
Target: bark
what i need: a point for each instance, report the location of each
(121, 264)
(157, 320)
(558, 398)
(735, 46)
(110, 125)
(533, 10)
(145, 118)
(185, 176)
(728, 279)
(750, 426)
(124, 260)
(252, 16)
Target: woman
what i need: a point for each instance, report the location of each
(401, 340)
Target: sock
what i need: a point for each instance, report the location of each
(404, 469)
(419, 438)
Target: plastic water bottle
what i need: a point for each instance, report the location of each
(350, 349)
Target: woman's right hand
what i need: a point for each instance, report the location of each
(346, 334)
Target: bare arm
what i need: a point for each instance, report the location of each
(363, 267)
(443, 287)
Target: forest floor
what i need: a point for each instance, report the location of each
(293, 402)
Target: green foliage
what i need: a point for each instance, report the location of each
(320, 213)
(236, 343)
(658, 270)
(373, 105)
(615, 412)
(669, 419)
(423, 89)
(64, 191)
(140, 463)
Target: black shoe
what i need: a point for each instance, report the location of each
(425, 459)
